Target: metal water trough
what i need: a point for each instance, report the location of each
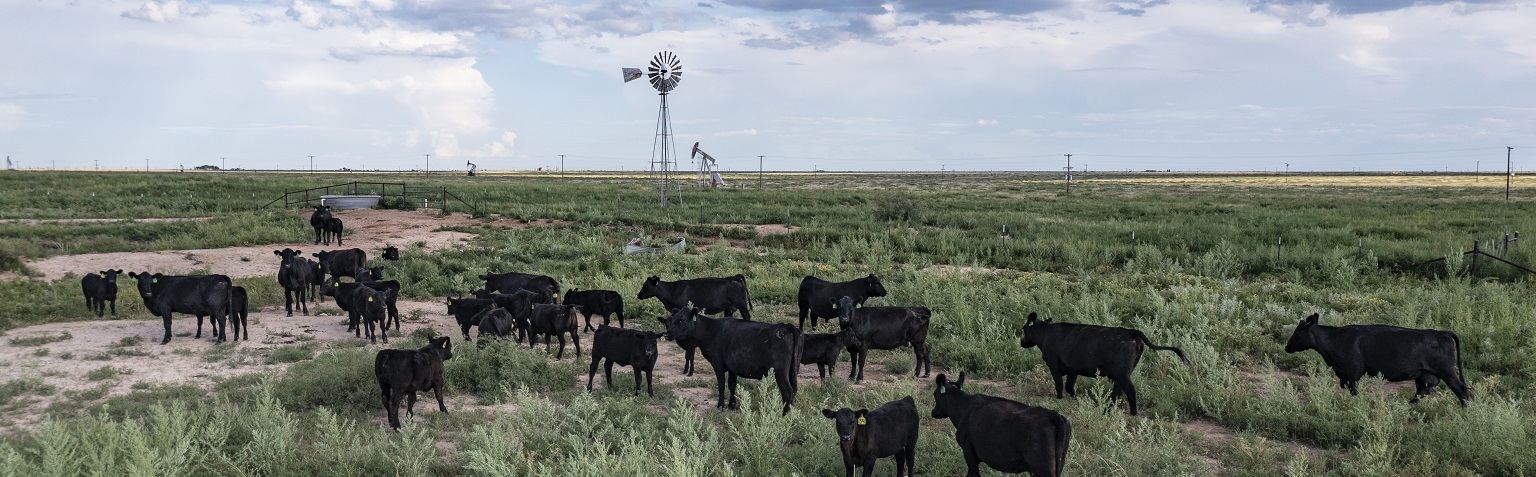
(344, 202)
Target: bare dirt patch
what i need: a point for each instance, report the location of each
(368, 229)
(766, 229)
(949, 270)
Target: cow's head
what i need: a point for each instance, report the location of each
(647, 346)
(682, 322)
(845, 307)
(1032, 329)
(323, 210)
(945, 394)
(391, 253)
(849, 339)
(287, 255)
(648, 289)
(376, 273)
(146, 283)
(873, 287)
(850, 423)
(110, 275)
(1301, 339)
(443, 346)
(328, 286)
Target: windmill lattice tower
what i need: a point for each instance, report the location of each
(664, 73)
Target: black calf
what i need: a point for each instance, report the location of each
(597, 302)
(1008, 436)
(822, 349)
(101, 290)
(888, 431)
(1072, 350)
(884, 327)
(623, 347)
(401, 373)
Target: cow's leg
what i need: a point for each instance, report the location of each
(114, 306)
(853, 363)
(393, 406)
(972, 462)
(863, 357)
(927, 366)
(1130, 392)
(1071, 386)
(592, 371)
(636, 366)
(167, 318)
(561, 337)
(1424, 385)
(1452, 380)
(731, 381)
(410, 403)
(384, 330)
(575, 341)
(288, 300)
(821, 371)
(384, 394)
(608, 374)
(589, 323)
(394, 313)
(621, 318)
(437, 390)
(688, 361)
(787, 387)
(720, 386)
(199, 327)
(746, 315)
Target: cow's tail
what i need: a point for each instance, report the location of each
(1143, 337)
(1063, 440)
(1459, 374)
(796, 348)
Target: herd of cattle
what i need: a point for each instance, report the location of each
(1006, 435)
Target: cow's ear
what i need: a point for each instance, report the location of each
(939, 381)
(961, 381)
(829, 414)
(1031, 320)
(277, 252)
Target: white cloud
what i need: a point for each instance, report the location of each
(11, 116)
(986, 122)
(166, 11)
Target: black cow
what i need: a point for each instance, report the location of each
(884, 327)
(743, 349)
(371, 306)
(341, 263)
(391, 253)
(1396, 354)
(466, 311)
(402, 372)
(343, 293)
(1072, 350)
(318, 219)
(316, 276)
(818, 296)
(199, 295)
(294, 275)
(553, 320)
(603, 303)
(333, 229)
(822, 349)
(513, 281)
(101, 290)
(239, 311)
(710, 295)
(496, 321)
(888, 431)
(1008, 436)
(633, 348)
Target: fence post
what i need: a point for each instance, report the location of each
(442, 206)
(1475, 252)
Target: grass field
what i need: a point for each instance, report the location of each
(1221, 265)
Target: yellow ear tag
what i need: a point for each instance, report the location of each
(445, 345)
(557, 296)
(370, 299)
(861, 421)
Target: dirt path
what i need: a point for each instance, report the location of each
(368, 229)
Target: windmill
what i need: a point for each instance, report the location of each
(707, 175)
(664, 73)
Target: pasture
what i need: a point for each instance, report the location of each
(1190, 259)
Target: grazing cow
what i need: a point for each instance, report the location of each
(1007, 435)
(101, 290)
(466, 311)
(603, 303)
(341, 263)
(343, 293)
(495, 321)
(884, 327)
(888, 431)
(1072, 350)
(553, 320)
(318, 220)
(294, 275)
(333, 229)
(239, 311)
(743, 349)
(391, 253)
(818, 296)
(1396, 354)
(402, 372)
(710, 295)
(633, 348)
(512, 281)
(822, 349)
(199, 295)
(370, 305)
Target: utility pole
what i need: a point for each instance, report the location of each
(146, 165)
(562, 165)
(429, 164)
(1069, 174)
(1509, 169)
(53, 164)
(311, 165)
(759, 171)
(1287, 173)
(221, 168)
(1477, 169)
(98, 167)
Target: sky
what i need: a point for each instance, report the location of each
(921, 85)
